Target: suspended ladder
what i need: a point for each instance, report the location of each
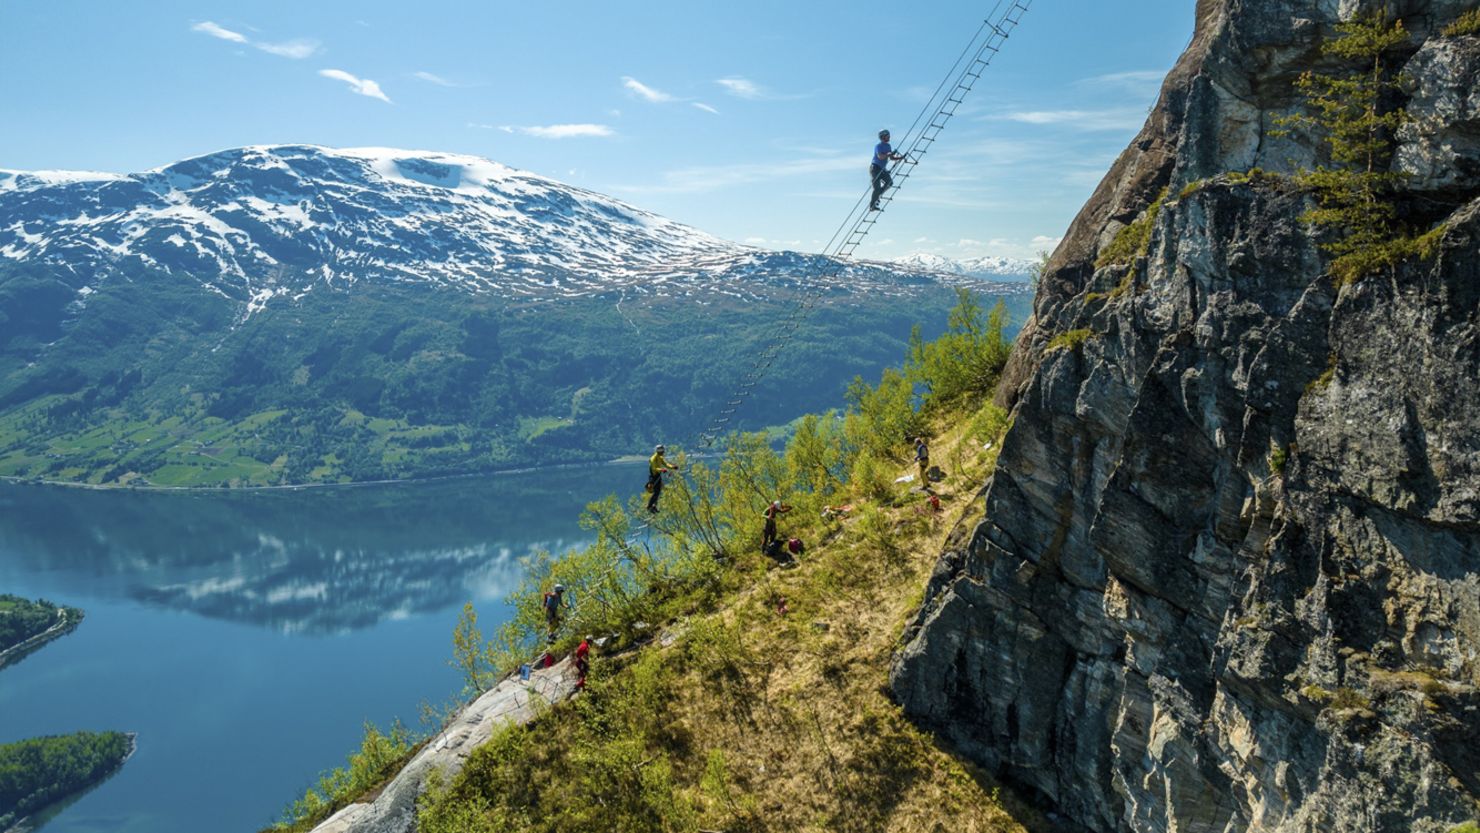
(959, 81)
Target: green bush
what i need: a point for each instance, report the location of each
(1279, 456)
(963, 365)
(990, 424)
(881, 419)
(605, 765)
(1070, 340)
(872, 479)
(379, 757)
(1466, 24)
(1134, 240)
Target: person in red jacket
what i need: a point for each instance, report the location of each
(583, 661)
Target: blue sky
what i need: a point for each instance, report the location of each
(751, 121)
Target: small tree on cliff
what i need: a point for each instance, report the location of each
(1349, 110)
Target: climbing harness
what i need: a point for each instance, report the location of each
(948, 96)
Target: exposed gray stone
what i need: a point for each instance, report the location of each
(1229, 575)
(511, 701)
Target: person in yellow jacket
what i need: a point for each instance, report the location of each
(656, 466)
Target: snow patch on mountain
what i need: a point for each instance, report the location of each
(990, 267)
(265, 222)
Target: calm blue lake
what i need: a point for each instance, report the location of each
(246, 637)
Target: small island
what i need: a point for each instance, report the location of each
(26, 625)
(37, 774)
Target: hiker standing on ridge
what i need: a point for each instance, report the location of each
(768, 535)
(554, 602)
(656, 466)
(878, 168)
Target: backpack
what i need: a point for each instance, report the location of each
(773, 550)
(796, 546)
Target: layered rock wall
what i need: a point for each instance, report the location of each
(1229, 578)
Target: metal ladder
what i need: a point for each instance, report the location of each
(959, 81)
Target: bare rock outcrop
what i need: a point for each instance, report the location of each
(511, 701)
(1229, 576)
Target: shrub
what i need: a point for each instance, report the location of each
(1069, 340)
(880, 419)
(1279, 456)
(872, 480)
(1134, 240)
(966, 361)
(1466, 24)
(990, 424)
(379, 757)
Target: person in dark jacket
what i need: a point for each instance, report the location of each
(878, 168)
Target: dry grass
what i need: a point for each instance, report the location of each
(772, 721)
(809, 738)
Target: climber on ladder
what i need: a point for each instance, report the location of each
(878, 168)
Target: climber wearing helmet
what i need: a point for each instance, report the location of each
(878, 168)
(554, 603)
(656, 466)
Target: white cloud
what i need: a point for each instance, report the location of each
(705, 107)
(432, 78)
(1120, 118)
(563, 131)
(645, 92)
(967, 243)
(215, 31)
(1140, 81)
(745, 88)
(359, 86)
(714, 177)
(297, 49)
(741, 87)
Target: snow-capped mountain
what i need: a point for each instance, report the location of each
(984, 268)
(261, 222)
(295, 314)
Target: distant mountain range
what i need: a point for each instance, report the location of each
(296, 313)
(990, 268)
(259, 223)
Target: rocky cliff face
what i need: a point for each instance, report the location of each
(1229, 576)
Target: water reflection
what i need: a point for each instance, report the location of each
(306, 561)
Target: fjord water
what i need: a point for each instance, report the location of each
(247, 636)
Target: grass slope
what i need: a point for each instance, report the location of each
(745, 718)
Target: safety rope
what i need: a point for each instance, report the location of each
(958, 82)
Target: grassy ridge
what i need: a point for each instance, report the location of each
(757, 701)
(754, 719)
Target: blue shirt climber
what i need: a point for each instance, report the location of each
(878, 168)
